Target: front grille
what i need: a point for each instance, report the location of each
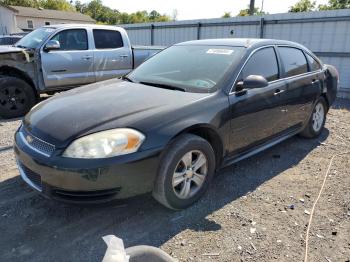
(37, 144)
(34, 178)
(86, 196)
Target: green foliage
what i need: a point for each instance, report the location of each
(335, 4)
(245, 12)
(101, 13)
(303, 6)
(308, 5)
(226, 15)
(105, 15)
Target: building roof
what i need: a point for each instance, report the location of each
(53, 14)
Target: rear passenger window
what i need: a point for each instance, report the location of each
(107, 39)
(263, 63)
(314, 65)
(293, 60)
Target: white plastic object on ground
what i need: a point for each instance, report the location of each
(115, 250)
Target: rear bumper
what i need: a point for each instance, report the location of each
(79, 181)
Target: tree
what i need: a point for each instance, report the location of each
(26, 3)
(303, 6)
(56, 5)
(245, 12)
(226, 15)
(335, 4)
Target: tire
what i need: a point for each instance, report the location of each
(16, 97)
(190, 149)
(312, 129)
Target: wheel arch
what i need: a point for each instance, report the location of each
(15, 72)
(210, 134)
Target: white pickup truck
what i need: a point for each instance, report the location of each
(59, 57)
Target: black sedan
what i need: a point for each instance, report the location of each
(172, 122)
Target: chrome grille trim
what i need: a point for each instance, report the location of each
(37, 144)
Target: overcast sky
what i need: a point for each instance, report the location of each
(191, 9)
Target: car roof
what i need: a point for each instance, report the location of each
(244, 42)
(59, 26)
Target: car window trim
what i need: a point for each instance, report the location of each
(70, 50)
(281, 79)
(246, 61)
(302, 51)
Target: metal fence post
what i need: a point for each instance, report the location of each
(152, 34)
(199, 30)
(262, 27)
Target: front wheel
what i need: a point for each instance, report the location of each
(16, 97)
(185, 172)
(317, 120)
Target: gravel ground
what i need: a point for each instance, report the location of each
(255, 210)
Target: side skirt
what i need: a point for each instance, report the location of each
(258, 149)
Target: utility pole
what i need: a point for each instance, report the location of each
(251, 7)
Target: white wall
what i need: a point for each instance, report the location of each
(7, 21)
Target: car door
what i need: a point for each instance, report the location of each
(257, 115)
(112, 57)
(72, 64)
(303, 83)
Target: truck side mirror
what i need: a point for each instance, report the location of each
(52, 45)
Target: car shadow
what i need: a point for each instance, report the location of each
(36, 229)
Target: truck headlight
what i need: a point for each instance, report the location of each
(105, 144)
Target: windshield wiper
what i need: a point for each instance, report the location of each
(164, 86)
(127, 79)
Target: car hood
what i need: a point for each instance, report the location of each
(104, 105)
(10, 49)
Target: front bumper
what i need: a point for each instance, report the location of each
(87, 180)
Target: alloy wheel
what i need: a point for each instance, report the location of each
(318, 117)
(190, 174)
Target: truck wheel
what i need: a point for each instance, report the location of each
(317, 120)
(16, 97)
(185, 172)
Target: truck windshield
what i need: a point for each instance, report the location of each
(35, 38)
(193, 68)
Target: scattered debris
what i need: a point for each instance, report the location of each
(239, 247)
(211, 254)
(319, 236)
(252, 230)
(291, 207)
(334, 233)
(307, 212)
(252, 245)
(302, 200)
(279, 241)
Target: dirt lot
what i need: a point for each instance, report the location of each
(254, 211)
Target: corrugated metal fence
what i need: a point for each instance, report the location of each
(327, 33)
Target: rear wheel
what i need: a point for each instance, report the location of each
(16, 97)
(185, 172)
(317, 120)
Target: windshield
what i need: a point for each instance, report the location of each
(194, 68)
(35, 38)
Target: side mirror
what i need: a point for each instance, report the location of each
(250, 82)
(52, 45)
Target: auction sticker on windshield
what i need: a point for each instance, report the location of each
(220, 51)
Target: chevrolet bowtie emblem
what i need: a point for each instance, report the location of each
(29, 139)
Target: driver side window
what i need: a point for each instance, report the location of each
(263, 63)
(72, 39)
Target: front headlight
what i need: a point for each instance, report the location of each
(105, 144)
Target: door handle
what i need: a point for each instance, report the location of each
(314, 81)
(87, 57)
(279, 91)
(123, 56)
